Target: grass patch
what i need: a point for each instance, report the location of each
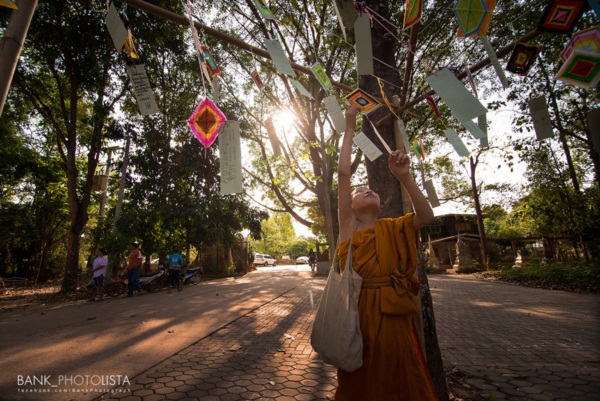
(568, 276)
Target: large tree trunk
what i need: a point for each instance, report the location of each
(382, 181)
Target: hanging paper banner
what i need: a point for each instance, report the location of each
(130, 46)
(463, 105)
(472, 82)
(363, 100)
(340, 21)
(216, 90)
(587, 40)
(364, 49)
(470, 15)
(560, 16)
(264, 10)
(473, 129)
(230, 157)
(456, 142)
(433, 105)
(582, 69)
(542, 123)
(282, 64)
(321, 76)
(9, 4)
(431, 194)
(142, 89)
(275, 144)
(346, 11)
(403, 135)
(367, 146)
(257, 80)
(412, 13)
(522, 59)
(490, 5)
(211, 65)
(494, 60)
(205, 122)
(595, 4)
(116, 27)
(302, 89)
(482, 124)
(335, 112)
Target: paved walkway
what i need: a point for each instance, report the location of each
(512, 342)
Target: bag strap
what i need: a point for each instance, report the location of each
(337, 247)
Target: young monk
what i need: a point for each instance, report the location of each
(384, 253)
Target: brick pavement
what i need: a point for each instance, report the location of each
(511, 342)
(519, 343)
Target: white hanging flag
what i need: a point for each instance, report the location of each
(404, 136)
(542, 123)
(116, 27)
(302, 89)
(456, 142)
(142, 89)
(367, 146)
(336, 114)
(482, 123)
(364, 49)
(279, 58)
(431, 194)
(494, 60)
(230, 154)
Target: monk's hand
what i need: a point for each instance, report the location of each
(352, 111)
(399, 164)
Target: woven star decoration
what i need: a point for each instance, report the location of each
(205, 122)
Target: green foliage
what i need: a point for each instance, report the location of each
(576, 277)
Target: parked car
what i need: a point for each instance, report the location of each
(264, 260)
(302, 260)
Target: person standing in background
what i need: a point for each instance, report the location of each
(133, 269)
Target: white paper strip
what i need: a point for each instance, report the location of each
(368, 148)
(302, 89)
(482, 123)
(279, 58)
(474, 129)
(142, 89)
(340, 20)
(116, 27)
(542, 124)
(230, 153)
(431, 194)
(364, 49)
(456, 142)
(404, 136)
(216, 89)
(336, 114)
(346, 11)
(494, 60)
(460, 101)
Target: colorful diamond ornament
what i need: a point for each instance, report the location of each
(470, 15)
(587, 40)
(581, 69)
(522, 59)
(205, 122)
(561, 15)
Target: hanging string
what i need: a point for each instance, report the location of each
(197, 45)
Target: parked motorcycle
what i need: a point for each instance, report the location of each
(152, 281)
(192, 276)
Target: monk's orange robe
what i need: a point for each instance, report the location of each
(393, 369)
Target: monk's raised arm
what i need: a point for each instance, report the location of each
(399, 164)
(345, 215)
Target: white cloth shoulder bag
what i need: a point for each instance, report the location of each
(336, 332)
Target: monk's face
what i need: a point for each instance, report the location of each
(365, 200)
